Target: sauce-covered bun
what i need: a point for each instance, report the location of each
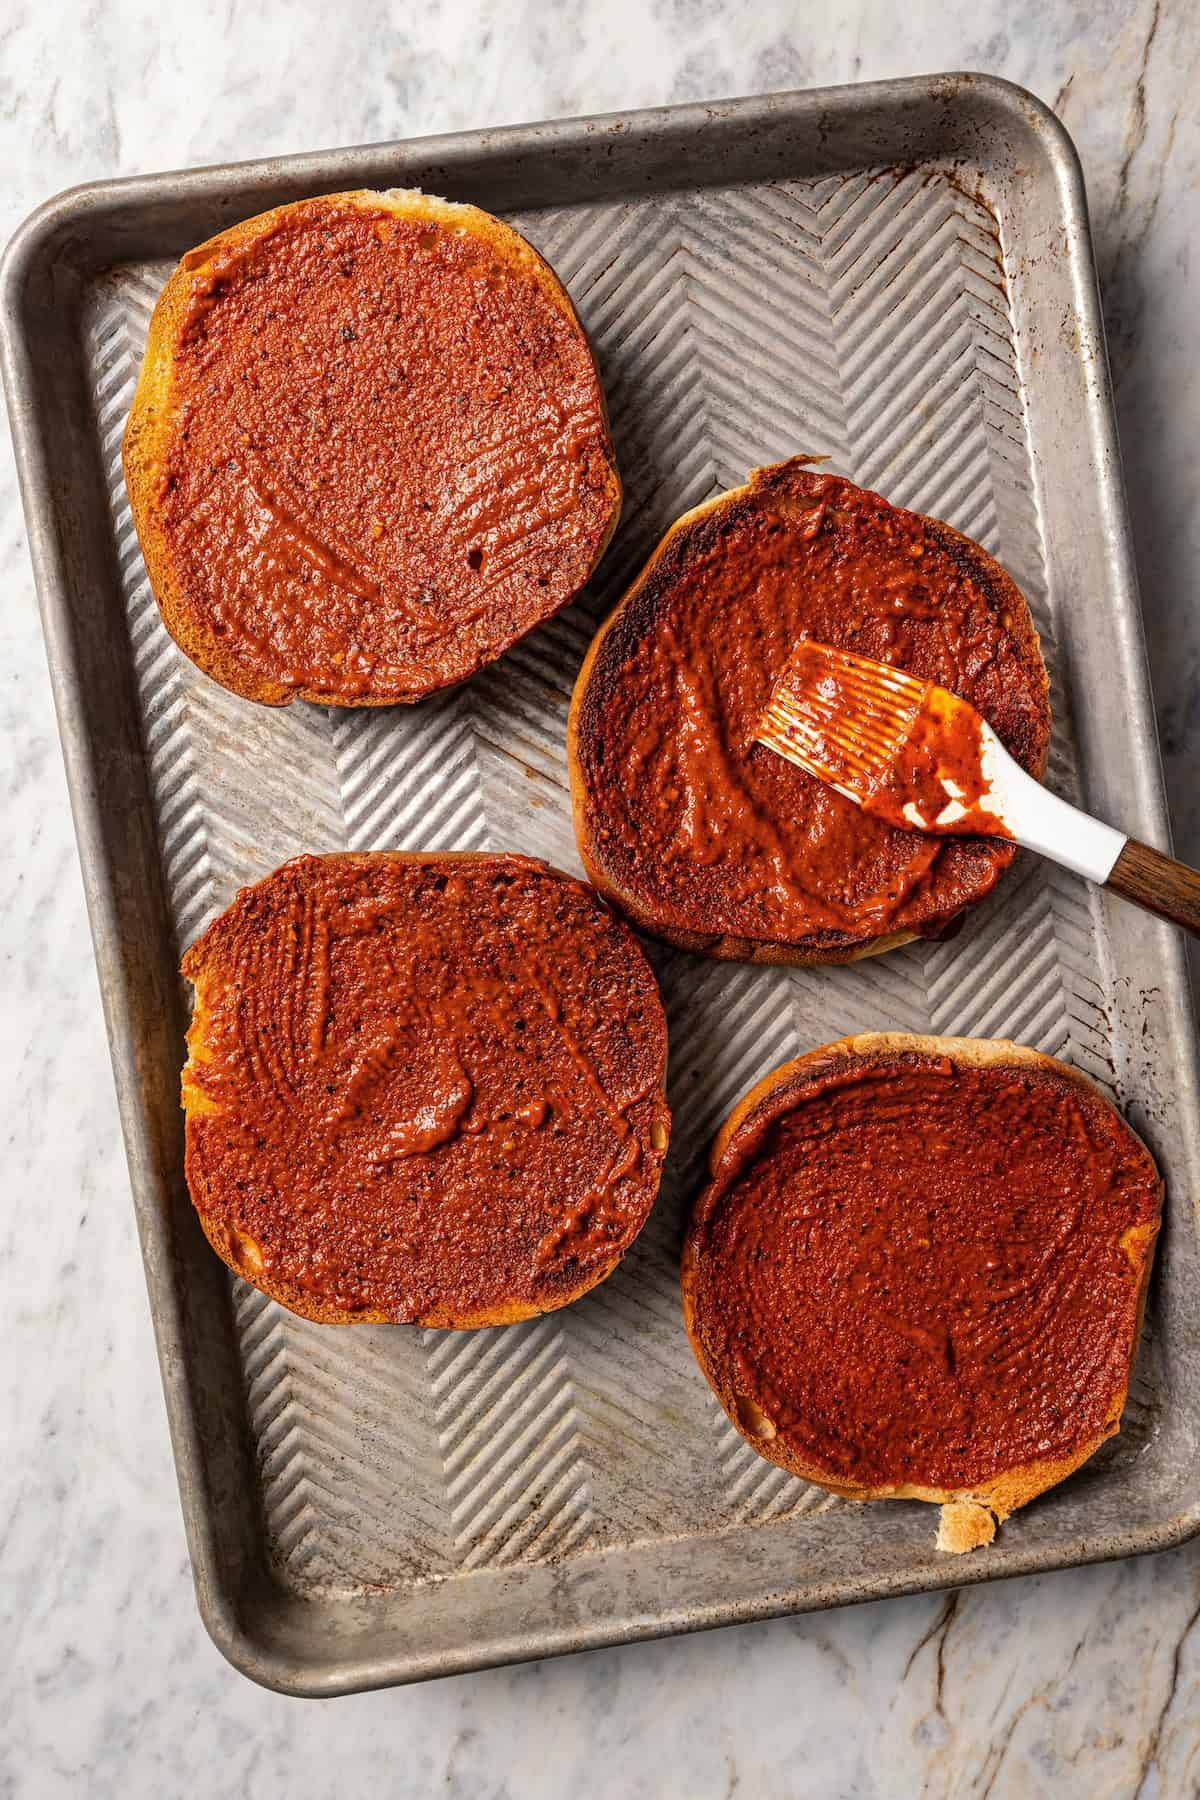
(423, 1088)
(368, 449)
(919, 1269)
(708, 839)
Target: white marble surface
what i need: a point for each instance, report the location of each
(1083, 1683)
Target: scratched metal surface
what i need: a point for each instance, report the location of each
(422, 1500)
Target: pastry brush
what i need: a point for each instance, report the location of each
(921, 758)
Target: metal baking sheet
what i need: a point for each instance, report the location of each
(898, 276)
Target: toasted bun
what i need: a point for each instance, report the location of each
(397, 541)
(425, 1089)
(970, 1512)
(787, 492)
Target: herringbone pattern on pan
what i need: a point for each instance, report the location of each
(864, 318)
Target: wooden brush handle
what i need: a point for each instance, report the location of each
(1158, 883)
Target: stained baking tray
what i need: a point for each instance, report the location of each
(900, 276)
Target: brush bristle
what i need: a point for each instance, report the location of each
(840, 717)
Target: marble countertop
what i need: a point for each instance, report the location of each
(1080, 1683)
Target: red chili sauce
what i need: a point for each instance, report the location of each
(389, 456)
(708, 831)
(920, 1272)
(425, 1086)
